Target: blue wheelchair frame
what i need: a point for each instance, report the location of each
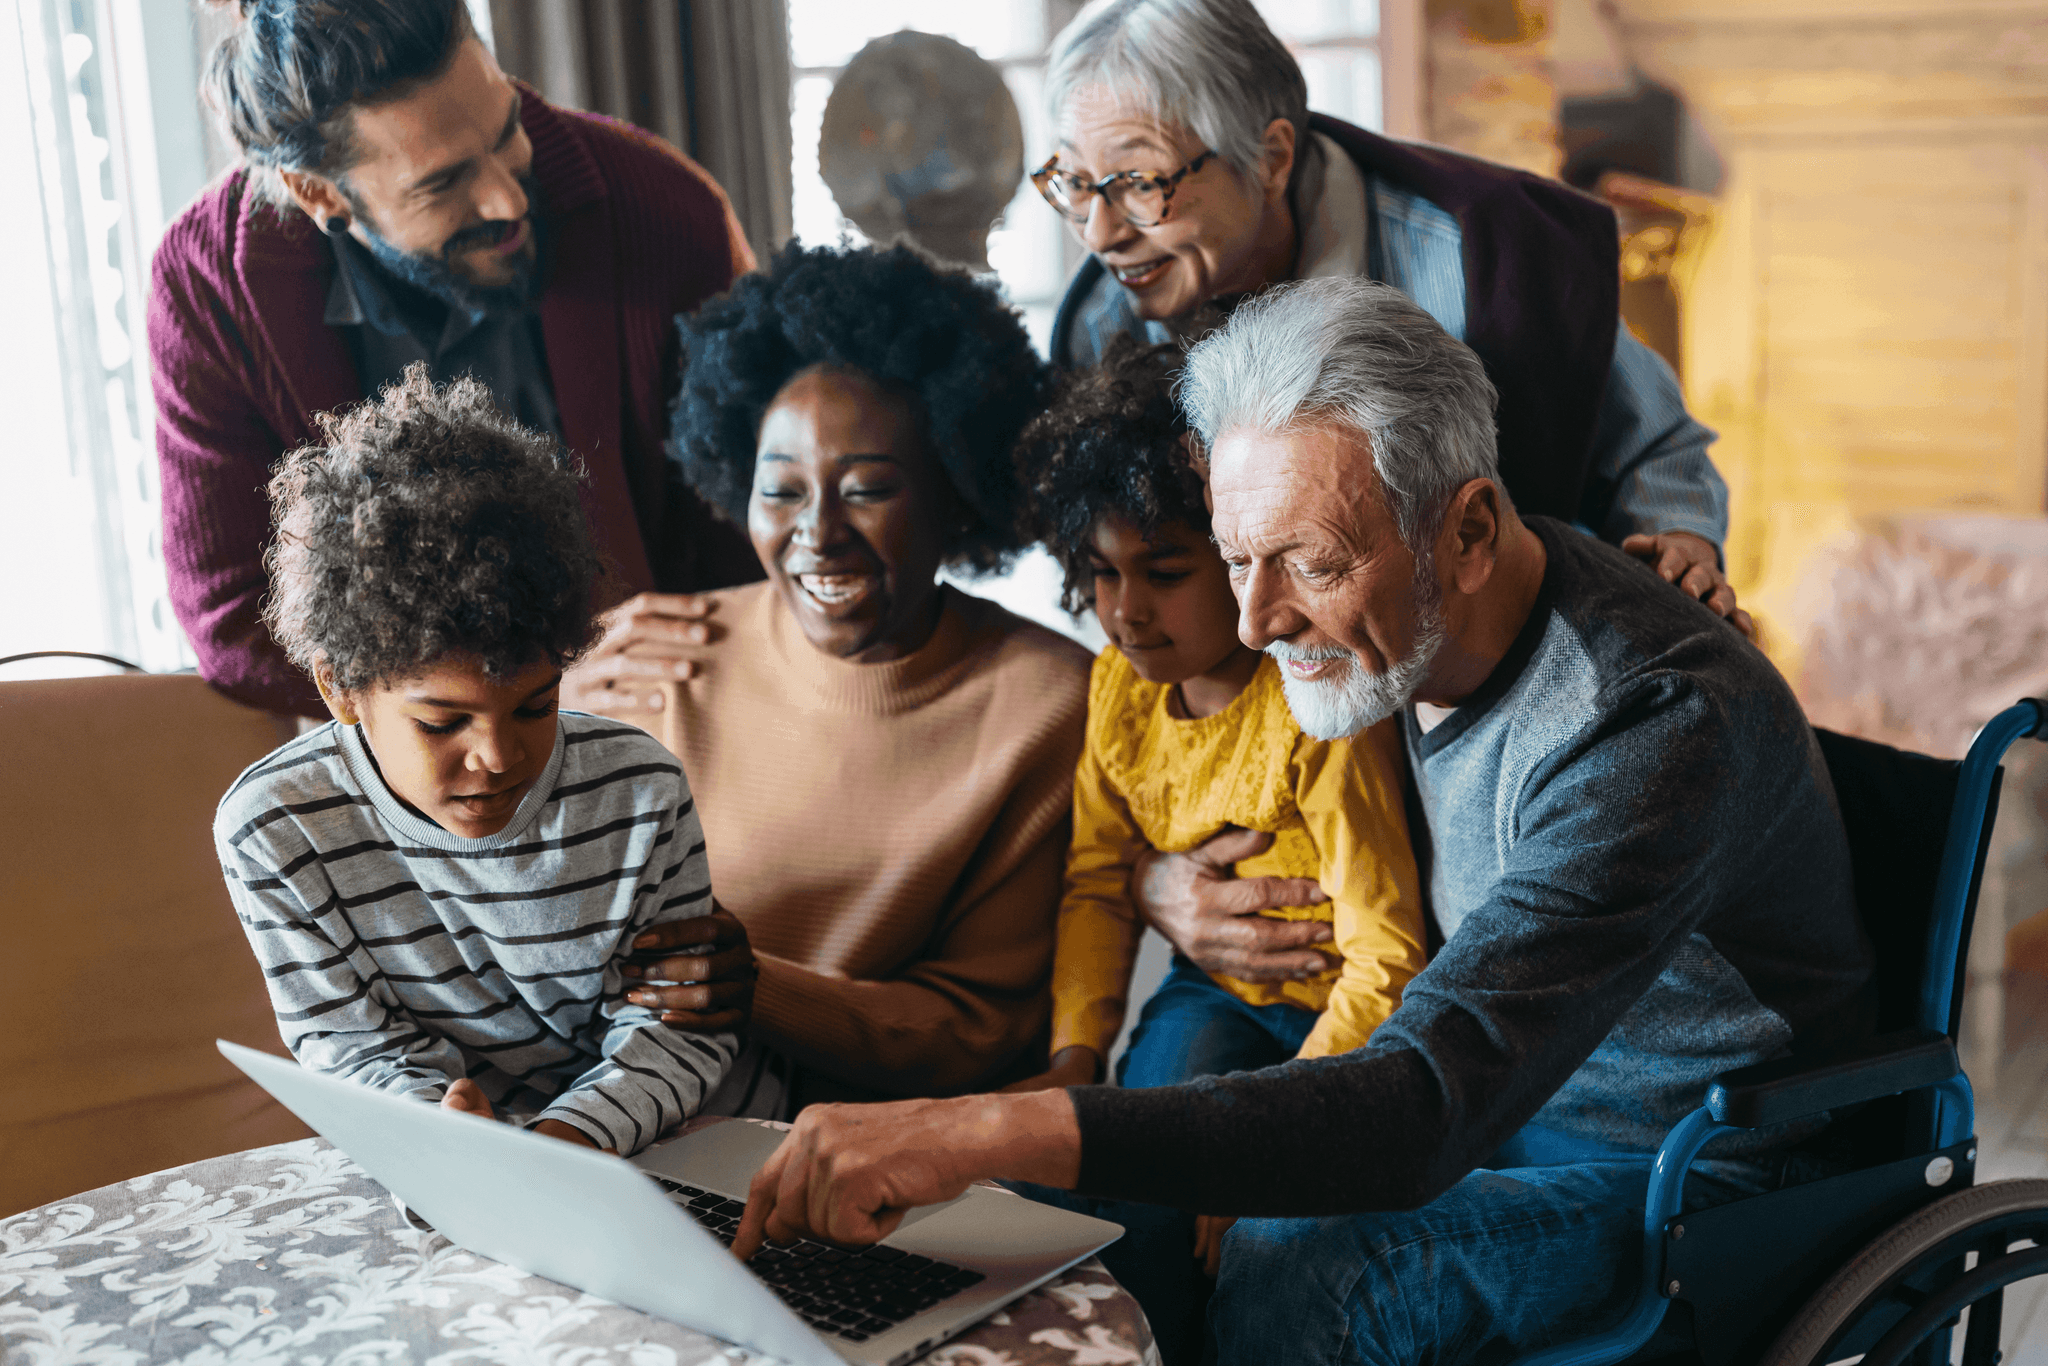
(1771, 1093)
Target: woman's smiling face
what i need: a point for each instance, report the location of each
(848, 514)
(1225, 233)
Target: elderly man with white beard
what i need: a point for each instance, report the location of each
(1633, 855)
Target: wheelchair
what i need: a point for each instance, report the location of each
(1884, 1260)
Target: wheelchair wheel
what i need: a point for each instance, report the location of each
(1915, 1279)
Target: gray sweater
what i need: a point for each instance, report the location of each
(404, 957)
(1635, 857)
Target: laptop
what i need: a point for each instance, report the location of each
(652, 1233)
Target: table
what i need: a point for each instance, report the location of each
(290, 1254)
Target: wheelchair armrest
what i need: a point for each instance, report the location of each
(1798, 1086)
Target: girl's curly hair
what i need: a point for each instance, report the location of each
(428, 524)
(935, 335)
(1109, 443)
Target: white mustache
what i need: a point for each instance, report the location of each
(1306, 654)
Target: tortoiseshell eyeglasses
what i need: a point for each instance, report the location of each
(1143, 200)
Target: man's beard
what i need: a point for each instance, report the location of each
(435, 275)
(1337, 707)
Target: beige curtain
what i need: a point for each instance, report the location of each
(710, 76)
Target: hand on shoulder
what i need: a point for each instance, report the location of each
(1692, 564)
(651, 642)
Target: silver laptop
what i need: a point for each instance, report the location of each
(650, 1233)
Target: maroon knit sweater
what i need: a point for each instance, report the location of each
(240, 360)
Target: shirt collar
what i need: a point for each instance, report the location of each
(344, 308)
(1332, 209)
(360, 297)
(1470, 710)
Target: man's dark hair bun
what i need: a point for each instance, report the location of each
(289, 76)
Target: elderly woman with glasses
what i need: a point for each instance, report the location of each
(1189, 165)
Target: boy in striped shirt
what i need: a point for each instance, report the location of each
(441, 885)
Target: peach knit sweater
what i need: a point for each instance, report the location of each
(893, 835)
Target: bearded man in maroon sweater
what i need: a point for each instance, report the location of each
(401, 199)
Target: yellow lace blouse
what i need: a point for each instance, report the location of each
(1150, 777)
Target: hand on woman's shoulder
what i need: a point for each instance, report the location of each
(650, 640)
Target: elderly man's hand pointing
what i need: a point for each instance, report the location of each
(849, 1173)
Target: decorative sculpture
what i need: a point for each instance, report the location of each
(922, 142)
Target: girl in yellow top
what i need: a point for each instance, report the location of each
(1189, 734)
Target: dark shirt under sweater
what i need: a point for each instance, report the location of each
(390, 324)
(1636, 858)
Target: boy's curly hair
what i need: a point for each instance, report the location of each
(428, 524)
(937, 336)
(1109, 442)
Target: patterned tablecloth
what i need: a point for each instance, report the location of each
(292, 1255)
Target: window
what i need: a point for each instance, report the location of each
(1027, 249)
(100, 122)
(1338, 42)
(76, 481)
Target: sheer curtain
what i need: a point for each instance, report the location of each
(710, 76)
(101, 135)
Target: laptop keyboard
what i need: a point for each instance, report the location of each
(853, 1295)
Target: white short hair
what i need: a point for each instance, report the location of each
(1346, 351)
(1212, 67)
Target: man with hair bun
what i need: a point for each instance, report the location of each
(400, 199)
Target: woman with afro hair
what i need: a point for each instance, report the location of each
(884, 764)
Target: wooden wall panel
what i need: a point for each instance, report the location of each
(1869, 326)
(1892, 328)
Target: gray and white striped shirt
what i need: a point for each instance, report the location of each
(404, 957)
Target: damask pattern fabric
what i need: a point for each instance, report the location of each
(292, 1254)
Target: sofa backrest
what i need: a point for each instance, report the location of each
(120, 956)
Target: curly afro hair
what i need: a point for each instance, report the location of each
(1109, 443)
(944, 340)
(428, 524)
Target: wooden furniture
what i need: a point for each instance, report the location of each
(1868, 327)
(122, 958)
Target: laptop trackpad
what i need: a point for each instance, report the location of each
(724, 1158)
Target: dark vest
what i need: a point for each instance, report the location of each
(1542, 303)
